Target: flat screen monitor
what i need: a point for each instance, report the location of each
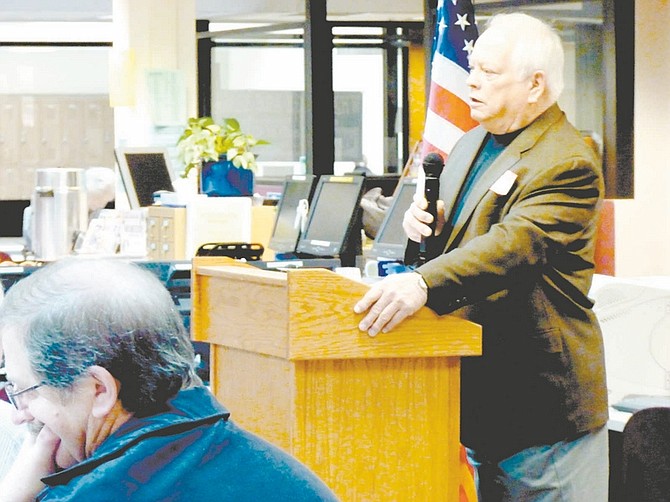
(11, 222)
(387, 183)
(296, 194)
(333, 221)
(391, 240)
(143, 172)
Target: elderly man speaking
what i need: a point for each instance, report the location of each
(515, 253)
(100, 366)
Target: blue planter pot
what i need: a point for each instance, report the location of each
(223, 179)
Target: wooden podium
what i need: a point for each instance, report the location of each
(376, 418)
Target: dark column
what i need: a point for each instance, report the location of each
(405, 107)
(391, 103)
(319, 97)
(619, 59)
(204, 69)
(397, 99)
(430, 12)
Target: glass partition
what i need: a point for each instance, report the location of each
(259, 79)
(598, 38)
(258, 76)
(580, 25)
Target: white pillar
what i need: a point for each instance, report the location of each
(153, 74)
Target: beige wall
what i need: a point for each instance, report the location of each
(643, 223)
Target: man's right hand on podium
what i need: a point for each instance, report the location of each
(391, 301)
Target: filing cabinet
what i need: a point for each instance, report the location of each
(166, 233)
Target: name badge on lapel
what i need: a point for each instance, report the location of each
(504, 183)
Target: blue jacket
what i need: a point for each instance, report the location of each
(190, 452)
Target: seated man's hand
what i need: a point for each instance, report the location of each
(417, 220)
(391, 301)
(36, 459)
(374, 206)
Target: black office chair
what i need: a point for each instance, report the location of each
(646, 456)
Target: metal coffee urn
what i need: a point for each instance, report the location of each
(60, 211)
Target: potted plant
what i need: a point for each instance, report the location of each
(222, 153)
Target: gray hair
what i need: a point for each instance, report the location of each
(76, 313)
(536, 47)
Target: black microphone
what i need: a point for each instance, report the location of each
(433, 163)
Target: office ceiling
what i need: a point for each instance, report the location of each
(273, 11)
(279, 11)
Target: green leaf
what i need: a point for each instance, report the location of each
(204, 139)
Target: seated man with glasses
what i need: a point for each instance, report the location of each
(11, 436)
(98, 361)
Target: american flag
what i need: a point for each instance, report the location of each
(448, 115)
(448, 118)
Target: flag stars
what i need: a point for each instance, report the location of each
(469, 46)
(462, 21)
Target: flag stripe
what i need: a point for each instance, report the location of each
(429, 148)
(449, 75)
(441, 133)
(450, 107)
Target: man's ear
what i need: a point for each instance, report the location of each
(538, 86)
(106, 391)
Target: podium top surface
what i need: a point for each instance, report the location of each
(308, 314)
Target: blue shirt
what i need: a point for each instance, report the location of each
(489, 152)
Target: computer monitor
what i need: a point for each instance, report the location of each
(333, 221)
(387, 183)
(286, 230)
(144, 171)
(11, 222)
(391, 239)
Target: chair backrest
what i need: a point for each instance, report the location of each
(237, 250)
(646, 456)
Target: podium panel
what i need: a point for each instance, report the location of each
(375, 418)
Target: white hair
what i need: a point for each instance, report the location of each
(536, 46)
(75, 313)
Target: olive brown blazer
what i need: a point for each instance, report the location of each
(519, 262)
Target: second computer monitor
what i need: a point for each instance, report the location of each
(288, 222)
(391, 239)
(334, 219)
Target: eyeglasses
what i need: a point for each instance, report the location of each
(13, 395)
